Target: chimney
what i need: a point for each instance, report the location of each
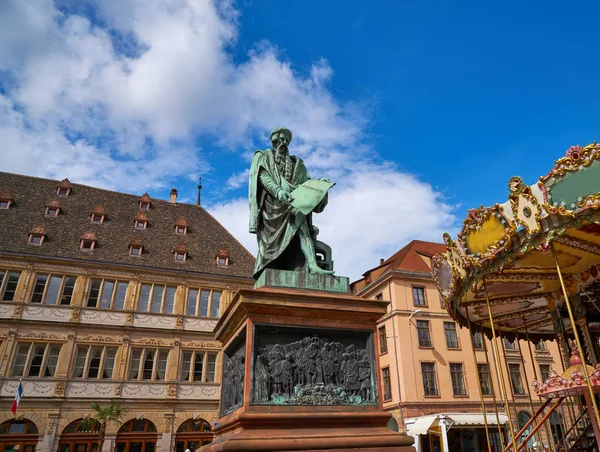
(381, 261)
(173, 196)
(199, 188)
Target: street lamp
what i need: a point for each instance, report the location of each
(416, 312)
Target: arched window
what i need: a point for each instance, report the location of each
(79, 436)
(136, 435)
(523, 418)
(18, 436)
(193, 434)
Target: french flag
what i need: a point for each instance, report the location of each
(18, 396)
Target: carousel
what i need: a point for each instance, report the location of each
(529, 269)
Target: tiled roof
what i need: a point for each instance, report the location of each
(204, 238)
(408, 259)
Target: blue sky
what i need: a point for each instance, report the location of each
(419, 110)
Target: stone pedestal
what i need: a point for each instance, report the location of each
(301, 373)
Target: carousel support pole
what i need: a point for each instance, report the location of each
(487, 361)
(548, 430)
(536, 437)
(586, 375)
(587, 339)
(499, 368)
(571, 413)
(485, 424)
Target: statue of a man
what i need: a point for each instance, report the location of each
(286, 237)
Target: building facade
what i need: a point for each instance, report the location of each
(428, 367)
(108, 297)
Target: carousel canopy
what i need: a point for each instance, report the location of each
(506, 249)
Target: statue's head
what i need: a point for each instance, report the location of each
(280, 139)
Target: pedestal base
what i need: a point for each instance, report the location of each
(302, 280)
(344, 431)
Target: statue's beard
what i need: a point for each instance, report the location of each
(282, 148)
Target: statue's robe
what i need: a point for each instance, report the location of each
(276, 224)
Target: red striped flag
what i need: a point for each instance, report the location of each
(18, 396)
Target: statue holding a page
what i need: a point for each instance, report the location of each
(282, 199)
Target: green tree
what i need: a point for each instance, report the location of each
(102, 416)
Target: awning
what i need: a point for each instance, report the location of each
(422, 424)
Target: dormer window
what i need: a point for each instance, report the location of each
(141, 221)
(181, 252)
(37, 235)
(181, 226)
(145, 202)
(98, 215)
(64, 188)
(136, 247)
(88, 241)
(6, 199)
(181, 229)
(222, 258)
(52, 208)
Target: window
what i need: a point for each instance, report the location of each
(477, 340)
(88, 245)
(63, 191)
(181, 230)
(8, 284)
(52, 211)
(36, 239)
(429, 380)
(382, 340)
(484, 379)
(458, 379)
(107, 294)
(53, 289)
(36, 360)
(515, 379)
(140, 224)
(222, 261)
(202, 302)
(156, 298)
(148, 364)
(540, 346)
(4, 204)
(95, 362)
(387, 383)
(508, 345)
(379, 297)
(419, 296)
(144, 205)
(97, 219)
(135, 250)
(544, 372)
(451, 337)
(180, 257)
(423, 333)
(198, 366)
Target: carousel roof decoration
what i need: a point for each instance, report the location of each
(571, 382)
(509, 248)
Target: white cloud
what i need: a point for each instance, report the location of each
(120, 102)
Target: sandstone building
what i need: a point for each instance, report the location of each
(427, 365)
(110, 297)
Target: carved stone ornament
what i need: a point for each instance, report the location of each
(99, 339)
(172, 391)
(118, 389)
(179, 322)
(59, 388)
(75, 315)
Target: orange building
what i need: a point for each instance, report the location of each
(434, 373)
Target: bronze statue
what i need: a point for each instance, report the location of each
(286, 237)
